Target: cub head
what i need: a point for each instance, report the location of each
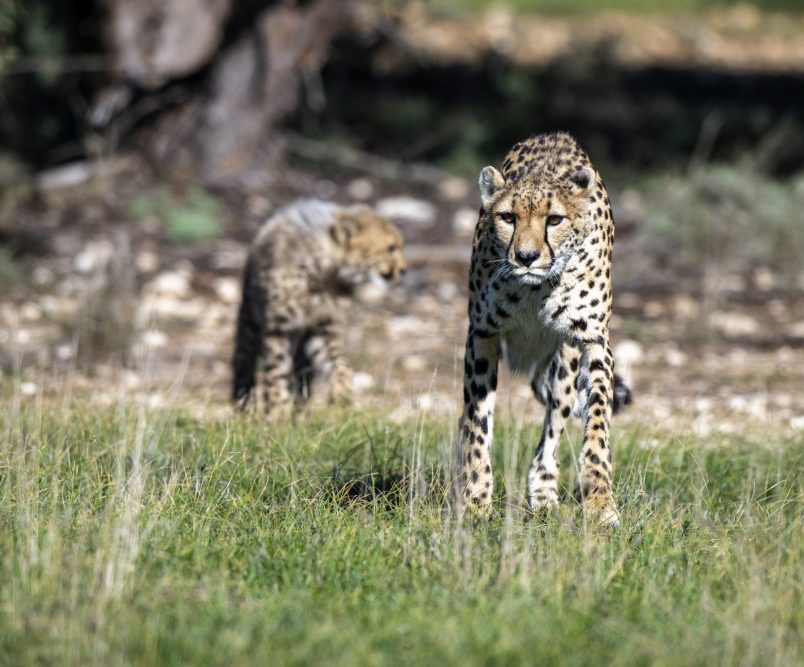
(537, 222)
(371, 245)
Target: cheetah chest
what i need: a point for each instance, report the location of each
(528, 334)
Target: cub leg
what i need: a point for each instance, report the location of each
(560, 394)
(595, 464)
(476, 426)
(329, 364)
(277, 376)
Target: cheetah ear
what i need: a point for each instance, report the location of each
(583, 178)
(341, 230)
(491, 182)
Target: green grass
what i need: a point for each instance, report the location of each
(149, 539)
(187, 218)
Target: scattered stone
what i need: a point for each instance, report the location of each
(734, 324)
(95, 255)
(763, 279)
(453, 189)
(414, 362)
(65, 351)
(171, 283)
(42, 276)
(464, 221)
(147, 261)
(258, 206)
(796, 330)
(408, 209)
(404, 325)
(360, 189)
(685, 307)
(30, 312)
(362, 381)
(228, 290)
(653, 309)
(675, 357)
(154, 339)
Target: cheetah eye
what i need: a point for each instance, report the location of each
(508, 217)
(553, 220)
(392, 248)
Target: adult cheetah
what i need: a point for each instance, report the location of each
(303, 259)
(540, 296)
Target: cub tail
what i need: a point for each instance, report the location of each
(247, 341)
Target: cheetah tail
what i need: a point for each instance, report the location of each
(246, 342)
(622, 394)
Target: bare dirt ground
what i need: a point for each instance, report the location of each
(697, 365)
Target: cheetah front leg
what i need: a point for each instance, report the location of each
(479, 390)
(276, 376)
(560, 394)
(329, 364)
(595, 464)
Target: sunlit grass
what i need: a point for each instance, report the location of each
(145, 538)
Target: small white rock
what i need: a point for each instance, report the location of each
(42, 276)
(414, 362)
(228, 290)
(464, 221)
(675, 357)
(796, 330)
(447, 292)
(362, 381)
(172, 283)
(30, 312)
(734, 324)
(413, 210)
(28, 388)
(360, 189)
(404, 325)
(64, 351)
(424, 402)
(93, 256)
(154, 339)
(452, 188)
(147, 261)
(763, 277)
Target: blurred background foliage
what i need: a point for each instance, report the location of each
(695, 104)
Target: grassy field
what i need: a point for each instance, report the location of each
(141, 538)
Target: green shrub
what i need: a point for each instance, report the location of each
(733, 218)
(189, 218)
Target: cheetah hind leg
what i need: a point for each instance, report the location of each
(556, 388)
(276, 377)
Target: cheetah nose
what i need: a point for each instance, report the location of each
(527, 258)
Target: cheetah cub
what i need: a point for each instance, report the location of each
(302, 261)
(540, 296)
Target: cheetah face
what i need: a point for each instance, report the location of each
(536, 225)
(371, 247)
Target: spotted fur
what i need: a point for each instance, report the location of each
(540, 297)
(288, 330)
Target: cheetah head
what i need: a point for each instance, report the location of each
(536, 223)
(371, 246)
